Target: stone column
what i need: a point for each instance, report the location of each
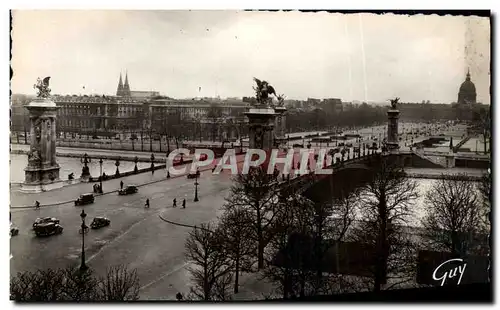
(392, 129)
(261, 128)
(42, 171)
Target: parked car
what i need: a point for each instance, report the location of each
(14, 231)
(48, 229)
(129, 189)
(45, 220)
(193, 175)
(100, 222)
(84, 199)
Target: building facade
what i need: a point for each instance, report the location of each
(108, 116)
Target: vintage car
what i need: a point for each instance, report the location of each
(45, 220)
(48, 229)
(127, 190)
(14, 230)
(193, 175)
(84, 199)
(99, 222)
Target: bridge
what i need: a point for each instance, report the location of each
(351, 172)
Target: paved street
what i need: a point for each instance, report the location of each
(136, 236)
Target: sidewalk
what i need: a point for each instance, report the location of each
(68, 194)
(96, 152)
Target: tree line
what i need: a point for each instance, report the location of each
(287, 240)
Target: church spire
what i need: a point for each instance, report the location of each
(119, 91)
(126, 87)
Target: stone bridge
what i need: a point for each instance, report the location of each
(353, 172)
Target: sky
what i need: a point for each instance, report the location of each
(185, 54)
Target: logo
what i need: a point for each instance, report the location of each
(445, 271)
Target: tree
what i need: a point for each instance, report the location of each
(453, 216)
(385, 206)
(119, 284)
(71, 284)
(211, 267)
(235, 234)
(255, 193)
(484, 187)
(304, 233)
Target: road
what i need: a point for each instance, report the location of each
(136, 237)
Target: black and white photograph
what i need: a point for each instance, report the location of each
(250, 155)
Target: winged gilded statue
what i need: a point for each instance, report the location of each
(394, 102)
(43, 87)
(263, 91)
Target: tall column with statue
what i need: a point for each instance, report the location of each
(42, 171)
(392, 126)
(261, 118)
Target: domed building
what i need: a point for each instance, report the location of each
(467, 92)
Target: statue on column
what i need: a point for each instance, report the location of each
(262, 92)
(42, 86)
(394, 102)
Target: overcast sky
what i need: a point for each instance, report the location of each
(319, 55)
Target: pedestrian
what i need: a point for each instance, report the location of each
(121, 184)
(175, 203)
(147, 203)
(184, 203)
(37, 205)
(178, 296)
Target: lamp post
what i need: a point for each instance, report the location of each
(196, 187)
(83, 231)
(85, 170)
(117, 164)
(100, 176)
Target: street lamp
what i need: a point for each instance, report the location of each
(100, 176)
(196, 187)
(83, 231)
(117, 164)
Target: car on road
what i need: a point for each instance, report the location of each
(14, 231)
(99, 222)
(84, 199)
(193, 175)
(48, 229)
(129, 189)
(44, 220)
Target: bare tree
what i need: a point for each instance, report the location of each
(385, 206)
(119, 284)
(78, 285)
(71, 284)
(484, 187)
(235, 234)
(305, 232)
(41, 285)
(453, 216)
(256, 193)
(210, 265)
